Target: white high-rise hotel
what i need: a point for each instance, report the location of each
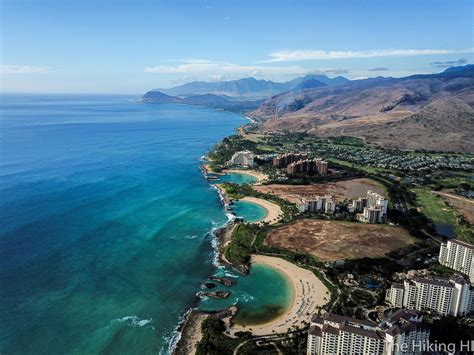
(459, 256)
(373, 208)
(334, 334)
(446, 296)
(244, 159)
(323, 204)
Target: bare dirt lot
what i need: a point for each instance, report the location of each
(348, 189)
(335, 240)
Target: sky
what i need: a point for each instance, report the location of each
(130, 47)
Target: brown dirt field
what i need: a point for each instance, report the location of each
(334, 240)
(348, 189)
(463, 205)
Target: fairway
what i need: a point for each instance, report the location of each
(433, 207)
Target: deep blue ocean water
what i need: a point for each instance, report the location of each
(105, 221)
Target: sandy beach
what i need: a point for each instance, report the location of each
(274, 211)
(256, 174)
(309, 294)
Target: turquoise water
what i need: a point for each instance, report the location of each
(260, 296)
(251, 212)
(237, 178)
(105, 221)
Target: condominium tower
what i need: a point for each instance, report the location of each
(459, 256)
(446, 296)
(334, 334)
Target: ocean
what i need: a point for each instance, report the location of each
(106, 223)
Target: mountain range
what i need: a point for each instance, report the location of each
(248, 88)
(432, 112)
(207, 100)
(425, 111)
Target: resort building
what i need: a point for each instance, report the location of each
(323, 204)
(373, 208)
(283, 160)
(446, 296)
(243, 159)
(315, 166)
(358, 205)
(334, 334)
(459, 256)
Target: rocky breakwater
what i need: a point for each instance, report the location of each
(226, 281)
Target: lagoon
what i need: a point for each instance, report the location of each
(249, 211)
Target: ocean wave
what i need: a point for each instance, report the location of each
(190, 236)
(175, 336)
(134, 321)
(246, 297)
(230, 274)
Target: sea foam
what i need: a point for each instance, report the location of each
(134, 321)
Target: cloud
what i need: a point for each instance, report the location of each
(335, 71)
(298, 55)
(379, 69)
(449, 63)
(198, 69)
(22, 69)
(221, 70)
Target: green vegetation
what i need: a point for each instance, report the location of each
(442, 270)
(236, 191)
(239, 250)
(439, 212)
(362, 298)
(447, 330)
(223, 151)
(345, 140)
(407, 177)
(455, 179)
(214, 342)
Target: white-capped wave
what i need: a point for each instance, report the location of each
(134, 321)
(230, 274)
(190, 236)
(175, 336)
(246, 297)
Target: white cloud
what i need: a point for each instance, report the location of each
(22, 69)
(298, 55)
(219, 70)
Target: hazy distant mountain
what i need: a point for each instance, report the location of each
(208, 100)
(338, 80)
(246, 88)
(308, 84)
(434, 111)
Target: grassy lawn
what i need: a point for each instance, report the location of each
(434, 208)
(458, 178)
(367, 169)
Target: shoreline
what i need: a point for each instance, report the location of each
(274, 211)
(256, 174)
(190, 333)
(309, 293)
